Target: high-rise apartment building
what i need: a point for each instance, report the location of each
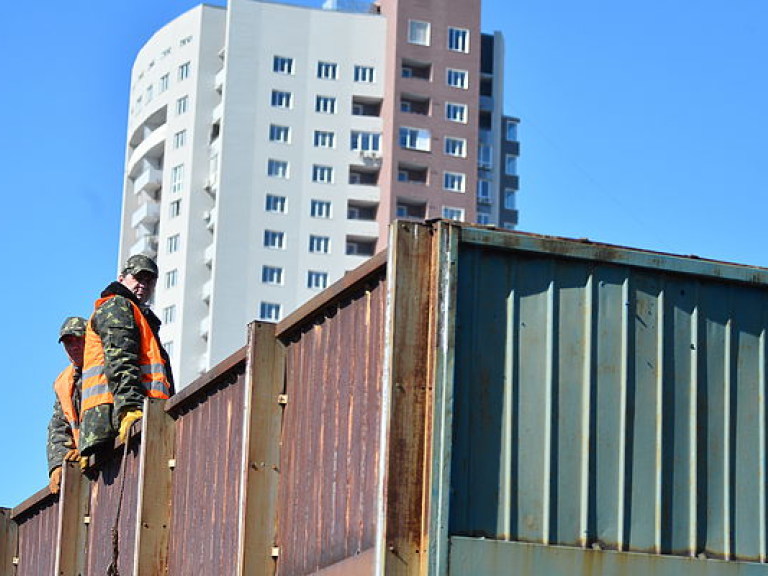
(270, 145)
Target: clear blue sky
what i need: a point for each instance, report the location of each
(643, 125)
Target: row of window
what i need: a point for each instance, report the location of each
(274, 275)
(453, 181)
(324, 70)
(454, 111)
(359, 140)
(182, 73)
(420, 32)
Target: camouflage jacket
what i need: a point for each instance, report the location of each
(114, 323)
(60, 439)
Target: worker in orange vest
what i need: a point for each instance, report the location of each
(124, 361)
(64, 427)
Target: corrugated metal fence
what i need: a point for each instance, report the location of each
(473, 402)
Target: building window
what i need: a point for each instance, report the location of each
(363, 74)
(322, 174)
(186, 40)
(483, 191)
(274, 239)
(279, 133)
(326, 70)
(271, 275)
(365, 141)
(483, 218)
(180, 139)
(319, 244)
(269, 311)
(453, 213)
(324, 139)
(458, 39)
(317, 280)
(457, 78)
(418, 32)
(456, 112)
(454, 181)
(485, 156)
(168, 348)
(509, 199)
(282, 65)
(277, 168)
(281, 99)
(172, 244)
(275, 204)
(182, 105)
(149, 93)
(320, 209)
(169, 314)
(455, 147)
(184, 71)
(510, 165)
(174, 209)
(171, 278)
(511, 133)
(415, 139)
(325, 104)
(177, 178)
(164, 81)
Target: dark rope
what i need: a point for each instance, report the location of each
(112, 569)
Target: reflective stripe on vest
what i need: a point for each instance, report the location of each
(151, 362)
(64, 386)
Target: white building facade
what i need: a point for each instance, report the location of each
(267, 153)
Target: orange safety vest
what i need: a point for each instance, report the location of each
(64, 386)
(154, 375)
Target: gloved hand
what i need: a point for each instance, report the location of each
(54, 482)
(72, 455)
(126, 420)
(83, 462)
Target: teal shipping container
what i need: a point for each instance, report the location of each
(605, 414)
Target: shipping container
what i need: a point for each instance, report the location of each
(472, 401)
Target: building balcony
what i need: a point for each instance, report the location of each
(145, 245)
(362, 228)
(208, 255)
(205, 327)
(146, 215)
(149, 180)
(486, 103)
(219, 81)
(209, 216)
(218, 112)
(206, 291)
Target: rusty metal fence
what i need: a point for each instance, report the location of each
(471, 402)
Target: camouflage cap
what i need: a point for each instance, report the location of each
(140, 263)
(72, 326)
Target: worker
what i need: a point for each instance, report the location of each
(64, 427)
(124, 359)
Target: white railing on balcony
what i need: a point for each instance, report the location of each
(149, 180)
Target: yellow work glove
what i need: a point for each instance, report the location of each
(54, 482)
(72, 455)
(83, 462)
(126, 420)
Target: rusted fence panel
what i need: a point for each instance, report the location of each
(206, 479)
(113, 478)
(37, 521)
(327, 505)
(8, 542)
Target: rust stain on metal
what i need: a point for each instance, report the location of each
(205, 497)
(330, 447)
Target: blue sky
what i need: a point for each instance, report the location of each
(643, 125)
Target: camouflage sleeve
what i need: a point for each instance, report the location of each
(59, 437)
(116, 326)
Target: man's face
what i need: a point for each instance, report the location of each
(142, 284)
(74, 346)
